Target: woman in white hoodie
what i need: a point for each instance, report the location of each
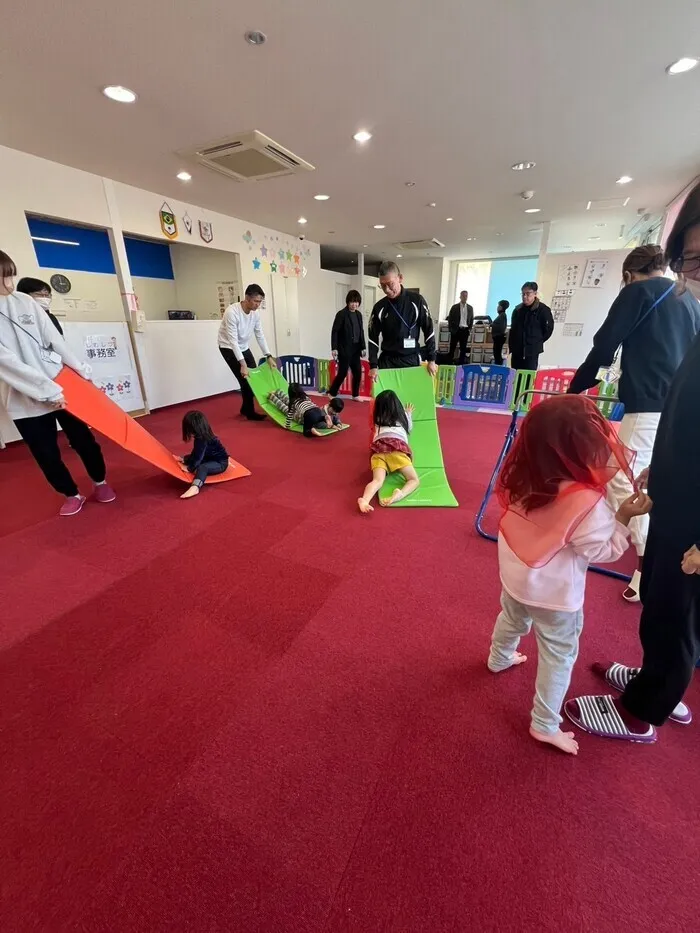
(32, 354)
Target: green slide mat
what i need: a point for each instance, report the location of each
(415, 386)
(264, 380)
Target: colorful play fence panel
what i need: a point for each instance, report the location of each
(483, 387)
(445, 385)
(323, 375)
(523, 382)
(346, 387)
(299, 369)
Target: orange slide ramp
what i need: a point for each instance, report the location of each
(87, 402)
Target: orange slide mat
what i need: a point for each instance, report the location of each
(87, 402)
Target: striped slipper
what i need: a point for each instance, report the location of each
(618, 676)
(599, 716)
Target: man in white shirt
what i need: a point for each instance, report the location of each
(460, 321)
(239, 323)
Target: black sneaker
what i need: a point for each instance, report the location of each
(255, 417)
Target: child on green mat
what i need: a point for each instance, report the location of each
(390, 450)
(297, 406)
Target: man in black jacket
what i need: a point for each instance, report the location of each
(397, 321)
(531, 327)
(460, 321)
(348, 343)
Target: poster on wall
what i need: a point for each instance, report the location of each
(568, 275)
(561, 304)
(227, 294)
(595, 273)
(572, 330)
(101, 347)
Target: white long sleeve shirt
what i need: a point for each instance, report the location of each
(560, 585)
(395, 430)
(32, 354)
(237, 329)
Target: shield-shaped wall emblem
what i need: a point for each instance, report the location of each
(187, 220)
(168, 224)
(205, 231)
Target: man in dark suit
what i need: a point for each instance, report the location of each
(531, 327)
(348, 343)
(460, 321)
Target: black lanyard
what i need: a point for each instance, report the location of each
(408, 327)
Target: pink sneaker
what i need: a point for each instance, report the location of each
(104, 493)
(72, 505)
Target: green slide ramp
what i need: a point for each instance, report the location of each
(415, 386)
(264, 380)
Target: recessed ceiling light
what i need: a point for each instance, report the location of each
(624, 180)
(321, 197)
(522, 166)
(682, 65)
(255, 37)
(499, 234)
(593, 237)
(399, 255)
(410, 184)
(184, 176)
(365, 246)
(302, 220)
(471, 238)
(600, 225)
(534, 229)
(121, 94)
(432, 204)
(448, 219)
(626, 202)
(362, 136)
(379, 226)
(533, 210)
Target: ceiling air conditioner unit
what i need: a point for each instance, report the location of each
(248, 157)
(420, 244)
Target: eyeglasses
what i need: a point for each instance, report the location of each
(685, 264)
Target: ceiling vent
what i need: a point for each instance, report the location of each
(607, 204)
(249, 157)
(420, 244)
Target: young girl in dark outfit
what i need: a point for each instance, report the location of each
(208, 457)
(297, 406)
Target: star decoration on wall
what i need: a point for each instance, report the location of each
(281, 254)
(296, 259)
(256, 263)
(289, 256)
(273, 267)
(263, 250)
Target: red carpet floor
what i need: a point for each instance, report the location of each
(259, 711)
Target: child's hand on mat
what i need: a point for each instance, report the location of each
(409, 408)
(691, 561)
(184, 467)
(637, 504)
(179, 459)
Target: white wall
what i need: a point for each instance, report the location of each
(197, 271)
(317, 308)
(94, 296)
(156, 297)
(425, 274)
(589, 306)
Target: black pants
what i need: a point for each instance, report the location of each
(461, 337)
(41, 437)
(498, 344)
(524, 362)
(354, 364)
(398, 361)
(208, 468)
(247, 397)
(313, 418)
(669, 630)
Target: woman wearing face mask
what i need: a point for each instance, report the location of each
(669, 628)
(41, 293)
(348, 343)
(654, 321)
(32, 354)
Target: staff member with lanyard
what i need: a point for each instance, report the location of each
(398, 319)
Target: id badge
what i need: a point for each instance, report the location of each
(409, 343)
(48, 356)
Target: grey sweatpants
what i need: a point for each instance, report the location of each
(557, 635)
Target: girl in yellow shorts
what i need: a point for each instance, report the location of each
(390, 450)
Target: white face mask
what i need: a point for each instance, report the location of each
(43, 302)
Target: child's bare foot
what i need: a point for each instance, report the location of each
(563, 740)
(517, 658)
(188, 493)
(396, 496)
(364, 505)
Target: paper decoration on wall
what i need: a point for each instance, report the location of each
(561, 303)
(116, 387)
(569, 275)
(227, 293)
(168, 223)
(256, 264)
(206, 231)
(572, 330)
(595, 273)
(278, 255)
(187, 221)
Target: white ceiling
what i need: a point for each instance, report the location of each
(452, 100)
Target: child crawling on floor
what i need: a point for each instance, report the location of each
(390, 452)
(556, 522)
(297, 406)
